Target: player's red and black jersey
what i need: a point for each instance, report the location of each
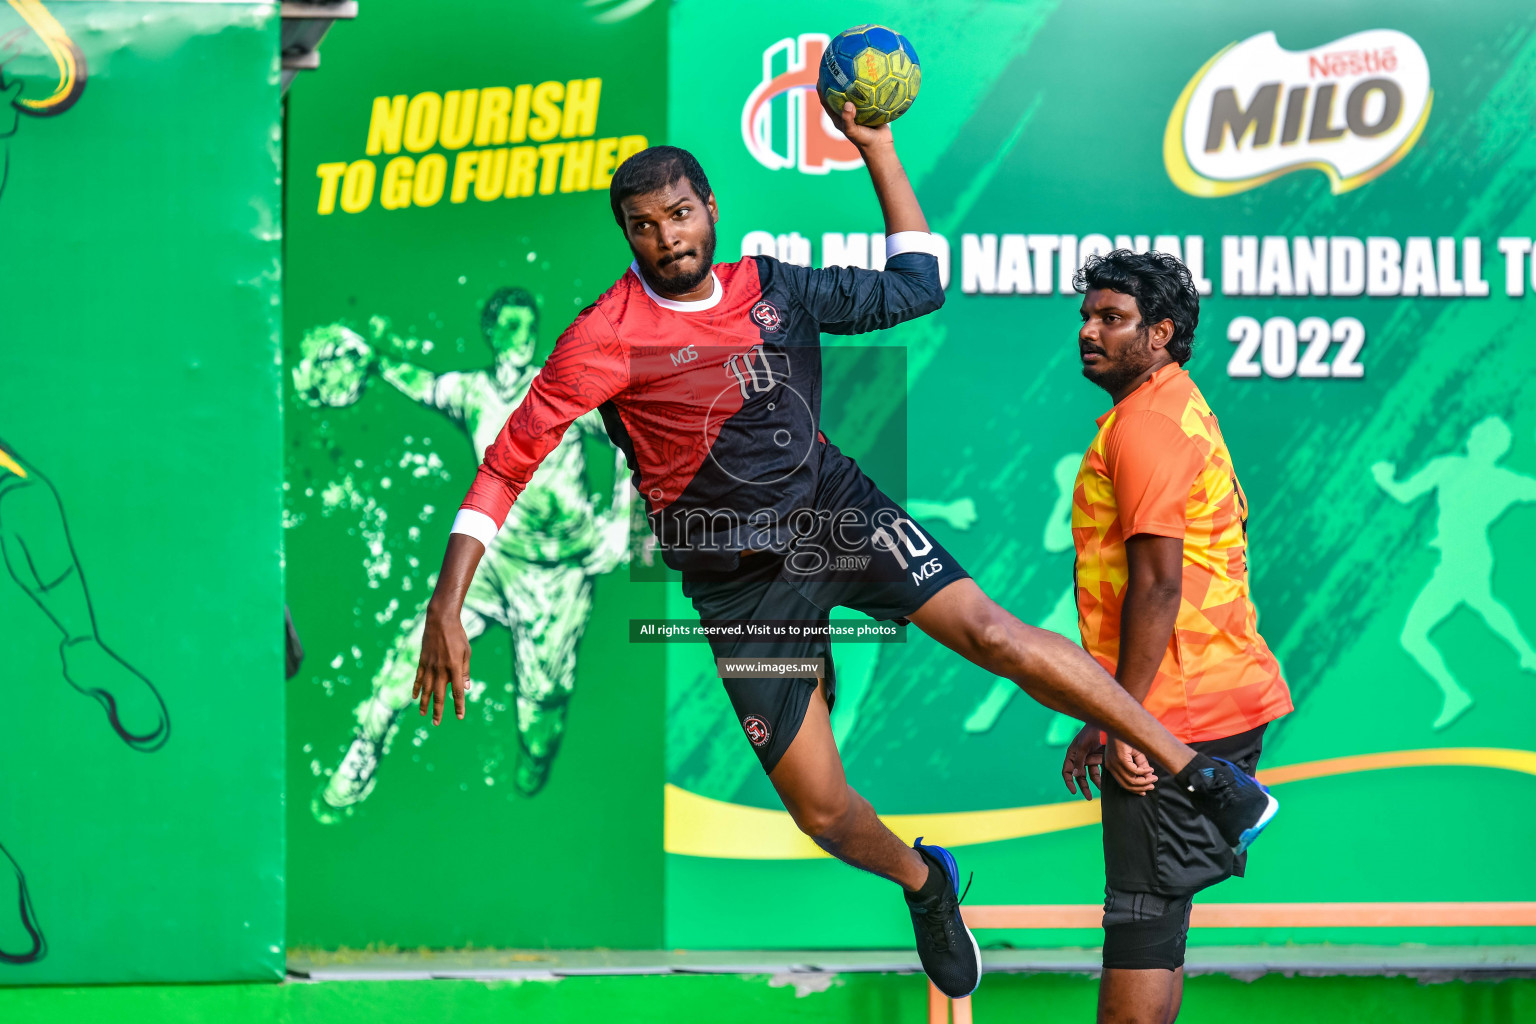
(716, 404)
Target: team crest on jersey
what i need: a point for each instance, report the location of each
(757, 730)
(767, 316)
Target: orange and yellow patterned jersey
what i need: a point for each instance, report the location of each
(1160, 466)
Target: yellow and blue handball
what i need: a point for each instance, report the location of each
(873, 67)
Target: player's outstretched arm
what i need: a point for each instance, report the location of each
(898, 203)
(444, 663)
(848, 300)
(587, 367)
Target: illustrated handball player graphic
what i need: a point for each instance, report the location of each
(536, 578)
(35, 545)
(40, 559)
(708, 378)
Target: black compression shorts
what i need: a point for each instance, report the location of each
(858, 549)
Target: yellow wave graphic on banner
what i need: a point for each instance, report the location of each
(698, 826)
(66, 55)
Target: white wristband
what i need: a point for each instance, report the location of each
(910, 241)
(475, 524)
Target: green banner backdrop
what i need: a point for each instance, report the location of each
(1353, 186)
(448, 217)
(141, 829)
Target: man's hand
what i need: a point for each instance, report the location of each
(898, 203)
(1130, 767)
(1084, 755)
(860, 135)
(444, 665)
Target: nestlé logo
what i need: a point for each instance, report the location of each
(1351, 108)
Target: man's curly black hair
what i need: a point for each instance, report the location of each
(652, 169)
(1161, 286)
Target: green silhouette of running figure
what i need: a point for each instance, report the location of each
(536, 578)
(1473, 492)
(1062, 618)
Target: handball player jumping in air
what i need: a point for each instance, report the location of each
(708, 378)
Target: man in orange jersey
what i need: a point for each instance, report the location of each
(1159, 522)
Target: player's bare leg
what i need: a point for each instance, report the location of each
(1140, 997)
(1063, 620)
(809, 779)
(36, 548)
(1049, 667)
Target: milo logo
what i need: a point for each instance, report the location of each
(1351, 109)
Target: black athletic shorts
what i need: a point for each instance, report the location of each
(1159, 843)
(859, 550)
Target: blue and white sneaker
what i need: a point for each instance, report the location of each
(946, 947)
(1238, 803)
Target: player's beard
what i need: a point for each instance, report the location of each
(682, 284)
(1132, 363)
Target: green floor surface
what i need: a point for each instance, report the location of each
(845, 999)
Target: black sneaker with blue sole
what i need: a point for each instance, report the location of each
(946, 947)
(1239, 804)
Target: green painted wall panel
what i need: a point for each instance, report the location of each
(527, 824)
(140, 499)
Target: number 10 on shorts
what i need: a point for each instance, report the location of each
(1285, 348)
